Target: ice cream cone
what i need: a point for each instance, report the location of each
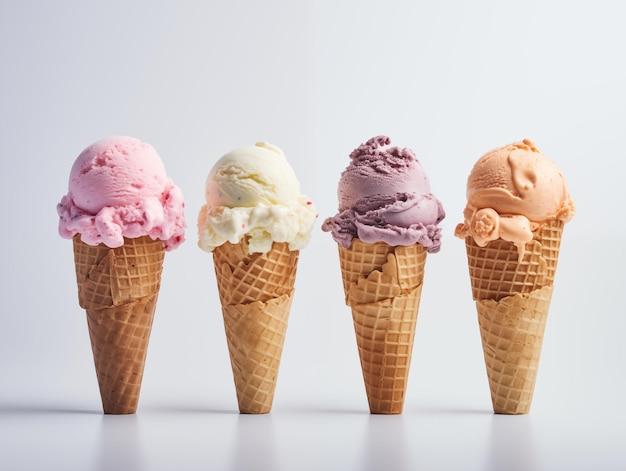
(119, 288)
(383, 285)
(512, 299)
(255, 291)
(512, 335)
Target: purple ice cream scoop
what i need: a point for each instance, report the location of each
(384, 196)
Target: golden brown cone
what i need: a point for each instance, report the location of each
(256, 291)
(496, 271)
(383, 286)
(246, 278)
(119, 289)
(507, 289)
(255, 333)
(512, 335)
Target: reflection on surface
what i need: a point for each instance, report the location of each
(119, 444)
(385, 445)
(254, 443)
(511, 445)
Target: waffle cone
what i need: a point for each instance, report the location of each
(496, 271)
(383, 286)
(512, 299)
(119, 289)
(255, 291)
(512, 335)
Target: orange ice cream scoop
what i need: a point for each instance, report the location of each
(510, 191)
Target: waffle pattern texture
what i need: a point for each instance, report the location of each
(497, 272)
(513, 299)
(256, 292)
(119, 289)
(383, 286)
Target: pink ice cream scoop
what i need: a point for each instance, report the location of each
(118, 188)
(384, 196)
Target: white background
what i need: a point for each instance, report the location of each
(451, 80)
